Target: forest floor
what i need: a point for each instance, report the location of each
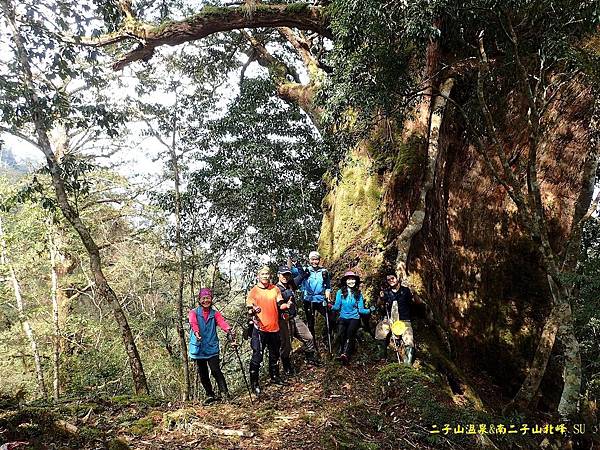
(369, 404)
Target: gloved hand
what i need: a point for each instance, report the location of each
(231, 339)
(253, 310)
(372, 308)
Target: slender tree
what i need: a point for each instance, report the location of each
(27, 329)
(36, 105)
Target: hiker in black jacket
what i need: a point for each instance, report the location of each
(290, 325)
(394, 304)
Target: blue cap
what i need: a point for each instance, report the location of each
(284, 269)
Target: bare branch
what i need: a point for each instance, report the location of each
(278, 70)
(20, 135)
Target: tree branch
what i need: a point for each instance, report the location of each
(208, 21)
(20, 135)
(278, 70)
(302, 47)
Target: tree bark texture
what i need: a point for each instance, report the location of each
(55, 310)
(208, 21)
(415, 223)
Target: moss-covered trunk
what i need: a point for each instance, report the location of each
(471, 259)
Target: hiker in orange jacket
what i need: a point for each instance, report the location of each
(264, 302)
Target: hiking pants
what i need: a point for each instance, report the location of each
(215, 370)
(261, 340)
(310, 308)
(294, 328)
(346, 329)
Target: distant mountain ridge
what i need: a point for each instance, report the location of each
(9, 163)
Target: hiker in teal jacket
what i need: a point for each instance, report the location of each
(350, 303)
(204, 344)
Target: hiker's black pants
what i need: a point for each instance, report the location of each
(346, 329)
(215, 369)
(310, 309)
(261, 340)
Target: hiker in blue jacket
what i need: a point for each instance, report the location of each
(351, 305)
(316, 289)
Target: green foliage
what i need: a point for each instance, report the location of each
(297, 7)
(586, 308)
(379, 52)
(375, 46)
(261, 175)
(60, 69)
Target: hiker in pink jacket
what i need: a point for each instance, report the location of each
(204, 344)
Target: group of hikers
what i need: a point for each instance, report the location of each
(273, 322)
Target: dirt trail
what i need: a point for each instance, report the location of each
(305, 414)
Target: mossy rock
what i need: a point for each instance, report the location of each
(117, 444)
(142, 426)
(178, 419)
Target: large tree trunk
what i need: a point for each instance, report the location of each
(568, 408)
(415, 223)
(72, 216)
(537, 369)
(22, 317)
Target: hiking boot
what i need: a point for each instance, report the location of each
(210, 399)
(288, 367)
(278, 381)
(275, 378)
(344, 359)
(254, 386)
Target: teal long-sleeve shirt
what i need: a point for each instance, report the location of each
(348, 306)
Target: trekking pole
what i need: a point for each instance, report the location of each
(328, 330)
(237, 353)
(291, 329)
